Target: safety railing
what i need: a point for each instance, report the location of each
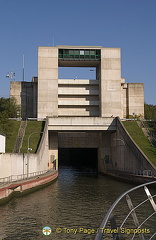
(19, 177)
(135, 172)
(131, 222)
(151, 136)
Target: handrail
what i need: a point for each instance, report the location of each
(110, 211)
(13, 178)
(150, 135)
(128, 174)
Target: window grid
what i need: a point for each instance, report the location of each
(78, 54)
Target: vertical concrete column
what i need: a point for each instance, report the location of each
(104, 152)
(47, 81)
(53, 149)
(136, 99)
(98, 77)
(34, 85)
(118, 151)
(110, 82)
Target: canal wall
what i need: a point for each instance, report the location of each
(26, 163)
(8, 190)
(126, 155)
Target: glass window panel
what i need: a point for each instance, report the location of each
(71, 51)
(66, 51)
(81, 52)
(86, 52)
(92, 52)
(76, 52)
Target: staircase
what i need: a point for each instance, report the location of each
(151, 137)
(20, 136)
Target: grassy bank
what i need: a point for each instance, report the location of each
(11, 137)
(34, 128)
(141, 140)
(12, 128)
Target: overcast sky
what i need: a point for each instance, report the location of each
(126, 24)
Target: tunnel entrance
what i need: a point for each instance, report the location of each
(85, 159)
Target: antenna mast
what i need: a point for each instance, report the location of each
(23, 67)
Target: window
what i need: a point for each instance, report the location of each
(86, 52)
(81, 52)
(92, 52)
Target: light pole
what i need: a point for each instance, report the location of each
(28, 151)
(119, 139)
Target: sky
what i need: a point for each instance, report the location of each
(127, 24)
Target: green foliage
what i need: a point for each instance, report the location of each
(11, 137)
(8, 109)
(141, 140)
(34, 128)
(151, 126)
(150, 111)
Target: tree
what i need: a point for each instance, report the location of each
(8, 109)
(150, 112)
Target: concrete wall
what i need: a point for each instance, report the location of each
(110, 82)
(104, 151)
(26, 96)
(78, 97)
(47, 81)
(136, 99)
(79, 140)
(53, 149)
(132, 99)
(125, 154)
(15, 91)
(17, 164)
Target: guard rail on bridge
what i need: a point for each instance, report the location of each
(131, 222)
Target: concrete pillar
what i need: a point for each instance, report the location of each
(104, 152)
(53, 150)
(110, 82)
(118, 152)
(47, 81)
(136, 99)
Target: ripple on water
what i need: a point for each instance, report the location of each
(75, 200)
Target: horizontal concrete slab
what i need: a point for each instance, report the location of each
(77, 103)
(78, 81)
(81, 124)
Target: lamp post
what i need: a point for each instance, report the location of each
(28, 151)
(119, 139)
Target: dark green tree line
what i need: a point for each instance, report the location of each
(8, 109)
(150, 112)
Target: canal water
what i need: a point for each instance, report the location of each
(73, 206)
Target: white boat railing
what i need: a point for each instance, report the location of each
(133, 223)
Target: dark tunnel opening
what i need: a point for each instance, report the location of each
(84, 159)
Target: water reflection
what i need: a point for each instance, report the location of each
(76, 200)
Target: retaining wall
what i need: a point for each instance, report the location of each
(126, 155)
(16, 163)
